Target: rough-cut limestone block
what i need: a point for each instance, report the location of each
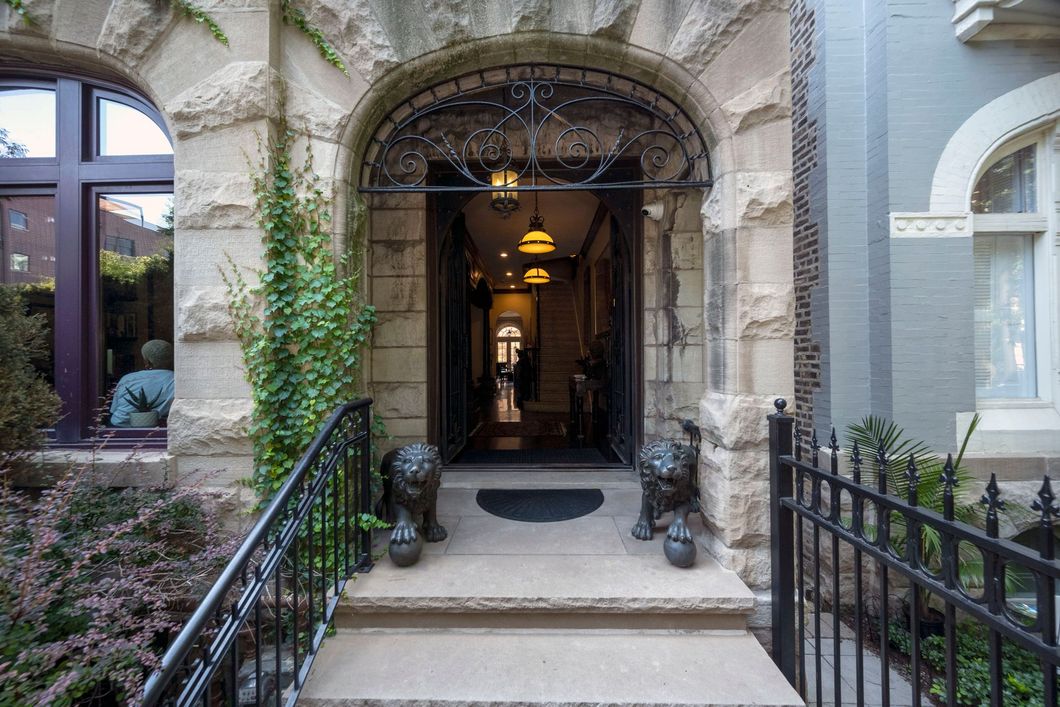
(1017, 495)
(398, 258)
(531, 15)
(736, 499)
(760, 50)
(394, 400)
(764, 254)
(214, 471)
(209, 427)
(132, 27)
(79, 22)
(222, 150)
(235, 93)
(712, 211)
(407, 427)
(752, 564)
(200, 253)
(353, 29)
(400, 329)
(765, 365)
(398, 224)
(764, 198)
(711, 25)
(769, 99)
(657, 23)
(686, 250)
(765, 310)
(614, 18)
(399, 294)
(736, 421)
(38, 19)
(211, 370)
(405, 365)
(308, 111)
(214, 200)
(203, 315)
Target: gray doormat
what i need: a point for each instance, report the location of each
(539, 505)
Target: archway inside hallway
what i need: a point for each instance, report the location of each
(576, 141)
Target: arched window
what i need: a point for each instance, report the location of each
(509, 339)
(86, 234)
(1008, 273)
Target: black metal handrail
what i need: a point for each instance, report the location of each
(256, 632)
(858, 517)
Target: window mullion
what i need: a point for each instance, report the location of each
(73, 294)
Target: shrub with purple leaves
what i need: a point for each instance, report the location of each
(93, 581)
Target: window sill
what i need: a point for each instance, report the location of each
(118, 468)
(1017, 428)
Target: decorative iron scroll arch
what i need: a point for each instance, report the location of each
(531, 120)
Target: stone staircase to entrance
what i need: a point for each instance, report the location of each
(570, 613)
(559, 346)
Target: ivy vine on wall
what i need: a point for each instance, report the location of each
(303, 327)
(290, 15)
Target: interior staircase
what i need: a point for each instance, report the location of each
(571, 613)
(559, 344)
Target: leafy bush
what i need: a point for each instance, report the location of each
(27, 402)
(92, 580)
(1022, 671)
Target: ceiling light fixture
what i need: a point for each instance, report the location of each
(536, 239)
(503, 254)
(537, 276)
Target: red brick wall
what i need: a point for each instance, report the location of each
(806, 232)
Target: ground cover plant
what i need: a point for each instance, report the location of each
(92, 581)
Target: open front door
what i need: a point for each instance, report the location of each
(620, 433)
(455, 338)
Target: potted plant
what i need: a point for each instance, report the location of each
(145, 414)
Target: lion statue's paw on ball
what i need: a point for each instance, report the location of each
(411, 477)
(667, 476)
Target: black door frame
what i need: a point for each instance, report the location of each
(442, 210)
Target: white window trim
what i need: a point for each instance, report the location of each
(1029, 426)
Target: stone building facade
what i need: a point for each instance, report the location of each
(899, 110)
(718, 322)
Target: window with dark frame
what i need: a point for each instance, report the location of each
(86, 178)
(18, 220)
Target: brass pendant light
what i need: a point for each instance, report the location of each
(537, 275)
(536, 240)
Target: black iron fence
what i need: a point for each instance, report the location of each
(253, 638)
(844, 549)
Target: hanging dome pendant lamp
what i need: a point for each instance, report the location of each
(536, 276)
(536, 240)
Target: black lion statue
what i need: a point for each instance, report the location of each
(411, 477)
(667, 476)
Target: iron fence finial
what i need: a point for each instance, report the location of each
(855, 462)
(994, 503)
(949, 482)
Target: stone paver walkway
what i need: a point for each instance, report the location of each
(901, 690)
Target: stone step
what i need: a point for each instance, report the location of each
(547, 591)
(556, 668)
(483, 478)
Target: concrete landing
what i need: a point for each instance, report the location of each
(414, 668)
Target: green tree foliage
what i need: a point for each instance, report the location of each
(303, 326)
(27, 402)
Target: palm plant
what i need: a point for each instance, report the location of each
(875, 433)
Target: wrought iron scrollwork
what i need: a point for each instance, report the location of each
(555, 127)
